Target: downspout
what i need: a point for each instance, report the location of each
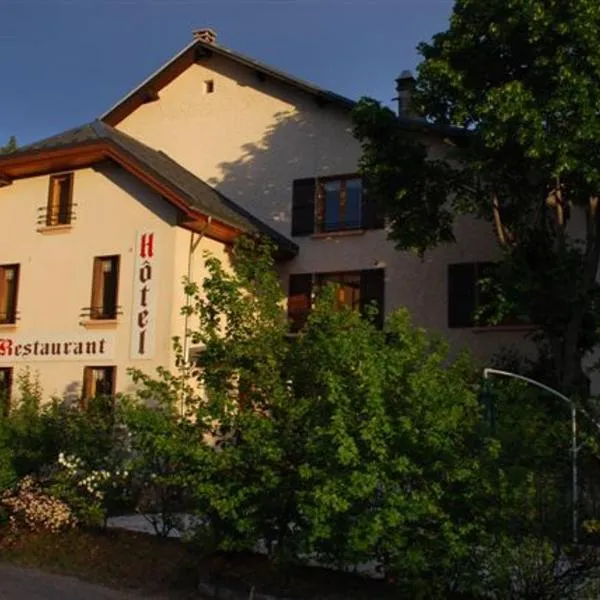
(193, 245)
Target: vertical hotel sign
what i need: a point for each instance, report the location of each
(145, 291)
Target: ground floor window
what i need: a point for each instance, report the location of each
(6, 380)
(470, 296)
(356, 290)
(98, 382)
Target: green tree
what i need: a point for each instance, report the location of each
(346, 443)
(520, 80)
(10, 146)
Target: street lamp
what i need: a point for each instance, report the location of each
(574, 447)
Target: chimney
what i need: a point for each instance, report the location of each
(405, 85)
(206, 35)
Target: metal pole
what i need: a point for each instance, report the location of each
(574, 452)
(574, 448)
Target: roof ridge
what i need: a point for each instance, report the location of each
(284, 77)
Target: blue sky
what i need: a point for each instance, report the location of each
(65, 62)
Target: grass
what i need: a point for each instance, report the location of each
(147, 564)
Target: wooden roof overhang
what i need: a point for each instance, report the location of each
(41, 162)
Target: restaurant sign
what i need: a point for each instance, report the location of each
(56, 347)
(145, 290)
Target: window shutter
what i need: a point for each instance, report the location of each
(372, 215)
(372, 290)
(88, 384)
(299, 299)
(4, 301)
(462, 294)
(303, 207)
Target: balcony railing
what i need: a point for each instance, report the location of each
(9, 318)
(101, 313)
(52, 218)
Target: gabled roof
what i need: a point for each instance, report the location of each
(97, 140)
(198, 49)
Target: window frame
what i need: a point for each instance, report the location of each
(338, 278)
(481, 270)
(10, 316)
(303, 286)
(320, 204)
(54, 208)
(98, 310)
(88, 382)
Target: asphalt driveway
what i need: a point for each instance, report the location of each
(27, 584)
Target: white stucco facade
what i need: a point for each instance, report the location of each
(249, 138)
(56, 269)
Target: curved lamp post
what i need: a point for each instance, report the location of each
(574, 447)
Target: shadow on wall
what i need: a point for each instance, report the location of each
(71, 396)
(298, 144)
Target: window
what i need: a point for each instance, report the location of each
(6, 378)
(357, 290)
(60, 200)
(98, 382)
(348, 292)
(466, 296)
(209, 86)
(9, 290)
(339, 203)
(105, 286)
(332, 204)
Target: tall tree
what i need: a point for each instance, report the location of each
(10, 146)
(521, 79)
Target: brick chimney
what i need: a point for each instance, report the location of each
(206, 35)
(405, 85)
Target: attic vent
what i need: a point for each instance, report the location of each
(206, 35)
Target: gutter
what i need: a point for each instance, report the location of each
(193, 245)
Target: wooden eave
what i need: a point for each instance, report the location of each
(46, 161)
(149, 91)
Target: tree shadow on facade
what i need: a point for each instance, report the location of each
(297, 144)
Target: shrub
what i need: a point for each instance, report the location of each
(30, 508)
(91, 493)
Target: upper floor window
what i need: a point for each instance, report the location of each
(332, 204)
(356, 290)
(60, 200)
(9, 290)
(339, 204)
(105, 287)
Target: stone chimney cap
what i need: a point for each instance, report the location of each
(206, 35)
(405, 80)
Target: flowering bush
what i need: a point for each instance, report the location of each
(29, 507)
(90, 492)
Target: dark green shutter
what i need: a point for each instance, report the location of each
(372, 290)
(462, 294)
(372, 214)
(303, 207)
(299, 299)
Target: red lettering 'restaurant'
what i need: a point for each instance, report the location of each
(6, 347)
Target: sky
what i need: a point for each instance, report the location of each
(65, 62)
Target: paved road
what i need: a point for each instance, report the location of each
(27, 584)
